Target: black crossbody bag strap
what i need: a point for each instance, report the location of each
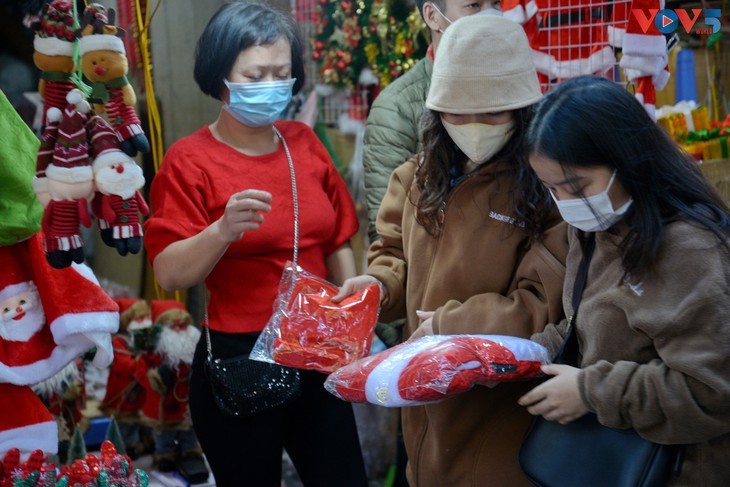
(568, 353)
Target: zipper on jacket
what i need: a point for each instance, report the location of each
(442, 207)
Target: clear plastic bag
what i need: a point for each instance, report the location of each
(435, 367)
(308, 331)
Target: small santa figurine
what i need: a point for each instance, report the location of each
(118, 201)
(165, 375)
(70, 183)
(124, 395)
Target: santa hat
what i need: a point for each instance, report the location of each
(25, 423)
(132, 309)
(70, 162)
(165, 311)
(78, 314)
(104, 144)
(56, 36)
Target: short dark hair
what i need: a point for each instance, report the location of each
(234, 28)
(590, 121)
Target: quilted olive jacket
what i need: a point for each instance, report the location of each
(392, 134)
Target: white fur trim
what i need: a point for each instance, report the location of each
(53, 46)
(76, 174)
(46, 368)
(644, 45)
(67, 328)
(109, 157)
(100, 42)
(615, 36)
(15, 289)
(39, 436)
(639, 66)
(661, 79)
(381, 387)
(597, 62)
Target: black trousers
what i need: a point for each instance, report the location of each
(317, 430)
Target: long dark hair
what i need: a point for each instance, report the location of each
(530, 200)
(590, 121)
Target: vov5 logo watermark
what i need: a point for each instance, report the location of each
(667, 21)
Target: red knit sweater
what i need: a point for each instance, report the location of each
(200, 173)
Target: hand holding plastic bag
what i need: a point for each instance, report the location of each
(309, 331)
(435, 367)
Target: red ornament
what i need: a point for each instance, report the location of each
(341, 65)
(345, 5)
(391, 64)
(319, 45)
(340, 53)
(315, 55)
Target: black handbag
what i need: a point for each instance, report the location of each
(584, 452)
(241, 386)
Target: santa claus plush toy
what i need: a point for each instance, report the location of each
(125, 396)
(434, 367)
(165, 374)
(118, 202)
(70, 183)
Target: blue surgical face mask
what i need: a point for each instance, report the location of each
(258, 104)
(594, 213)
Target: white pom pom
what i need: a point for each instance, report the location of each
(53, 114)
(74, 96)
(83, 106)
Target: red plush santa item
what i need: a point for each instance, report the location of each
(25, 423)
(52, 315)
(45, 155)
(164, 374)
(435, 367)
(118, 202)
(314, 333)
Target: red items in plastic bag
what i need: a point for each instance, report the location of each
(309, 331)
(435, 367)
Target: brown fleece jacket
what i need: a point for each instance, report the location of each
(481, 275)
(656, 352)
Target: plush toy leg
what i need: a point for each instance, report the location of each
(107, 236)
(59, 259)
(137, 143)
(121, 245)
(134, 244)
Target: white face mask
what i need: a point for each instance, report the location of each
(594, 213)
(442, 15)
(479, 141)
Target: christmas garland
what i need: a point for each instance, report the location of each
(386, 36)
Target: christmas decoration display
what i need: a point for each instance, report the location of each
(69, 181)
(164, 374)
(104, 64)
(387, 37)
(434, 367)
(309, 331)
(125, 396)
(570, 39)
(53, 53)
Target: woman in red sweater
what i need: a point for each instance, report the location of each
(223, 213)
